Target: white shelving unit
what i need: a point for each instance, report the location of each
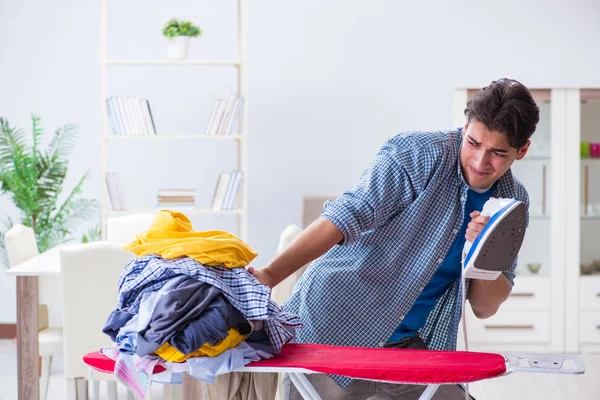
(559, 310)
(239, 63)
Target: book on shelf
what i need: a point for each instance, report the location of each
(115, 191)
(176, 193)
(224, 115)
(130, 116)
(226, 191)
(190, 200)
(220, 190)
(176, 198)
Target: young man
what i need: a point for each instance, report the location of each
(388, 252)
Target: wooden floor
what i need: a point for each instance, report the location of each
(516, 386)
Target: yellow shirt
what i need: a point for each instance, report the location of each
(171, 236)
(170, 353)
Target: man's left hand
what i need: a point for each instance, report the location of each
(478, 222)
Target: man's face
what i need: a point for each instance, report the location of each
(485, 155)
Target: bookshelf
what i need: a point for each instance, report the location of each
(238, 137)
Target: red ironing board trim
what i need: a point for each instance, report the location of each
(393, 365)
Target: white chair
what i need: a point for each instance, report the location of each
(123, 229)
(282, 292)
(21, 246)
(89, 276)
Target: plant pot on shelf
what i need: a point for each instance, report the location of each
(178, 47)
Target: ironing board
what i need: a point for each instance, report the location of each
(422, 367)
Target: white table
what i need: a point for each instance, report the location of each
(27, 273)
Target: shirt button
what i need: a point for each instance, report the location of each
(455, 231)
(462, 198)
(381, 344)
(440, 260)
(401, 317)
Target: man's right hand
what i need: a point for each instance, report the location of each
(312, 243)
(261, 276)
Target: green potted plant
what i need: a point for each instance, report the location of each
(179, 33)
(34, 180)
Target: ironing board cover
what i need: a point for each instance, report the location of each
(393, 365)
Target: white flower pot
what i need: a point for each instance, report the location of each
(178, 47)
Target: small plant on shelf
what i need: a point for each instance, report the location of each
(179, 33)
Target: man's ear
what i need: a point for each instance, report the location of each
(523, 150)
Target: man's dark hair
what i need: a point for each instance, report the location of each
(506, 106)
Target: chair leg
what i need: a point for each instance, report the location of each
(95, 390)
(82, 389)
(130, 395)
(45, 378)
(111, 388)
(172, 392)
(71, 389)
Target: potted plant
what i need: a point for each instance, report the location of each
(179, 33)
(34, 179)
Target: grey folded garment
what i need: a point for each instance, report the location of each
(115, 321)
(190, 314)
(211, 327)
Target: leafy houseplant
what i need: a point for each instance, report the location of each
(34, 180)
(179, 33)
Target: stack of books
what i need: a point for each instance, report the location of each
(115, 191)
(176, 198)
(226, 192)
(224, 115)
(130, 116)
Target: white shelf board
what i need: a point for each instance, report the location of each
(184, 211)
(209, 63)
(174, 137)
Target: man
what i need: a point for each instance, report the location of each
(387, 269)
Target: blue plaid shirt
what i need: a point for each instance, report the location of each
(150, 273)
(399, 222)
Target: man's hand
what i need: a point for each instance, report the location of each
(261, 276)
(478, 222)
(485, 296)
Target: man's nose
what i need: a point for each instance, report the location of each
(481, 159)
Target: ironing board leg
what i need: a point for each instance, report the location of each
(429, 392)
(305, 388)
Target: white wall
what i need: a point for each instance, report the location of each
(329, 82)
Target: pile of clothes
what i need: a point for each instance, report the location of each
(186, 302)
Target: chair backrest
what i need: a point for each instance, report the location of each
(281, 293)
(89, 276)
(124, 228)
(20, 244)
(312, 206)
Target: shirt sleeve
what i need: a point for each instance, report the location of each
(385, 188)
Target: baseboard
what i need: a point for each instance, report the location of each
(8, 331)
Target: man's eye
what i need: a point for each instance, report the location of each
(500, 155)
